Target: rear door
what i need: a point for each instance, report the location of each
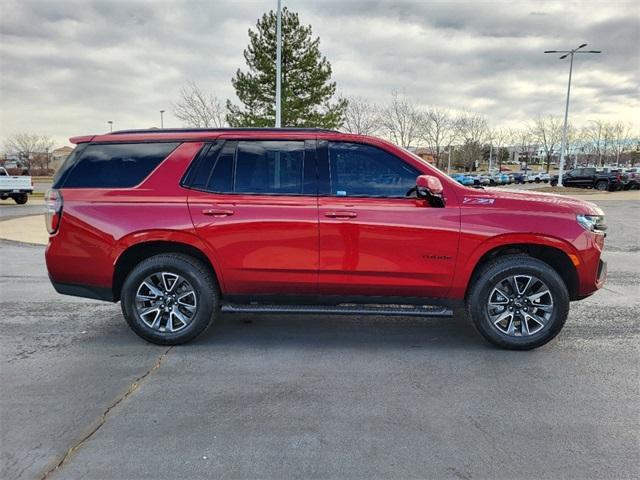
(374, 240)
(255, 203)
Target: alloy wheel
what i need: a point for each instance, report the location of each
(166, 302)
(520, 305)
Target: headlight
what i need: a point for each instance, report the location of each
(593, 223)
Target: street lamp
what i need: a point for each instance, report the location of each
(567, 53)
(161, 118)
(110, 122)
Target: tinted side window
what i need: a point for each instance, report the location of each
(61, 175)
(366, 171)
(198, 175)
(270, 167)
(588, 172)
(222, 175)
(116, 165)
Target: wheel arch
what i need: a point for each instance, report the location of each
(551, 251)
(136, 252)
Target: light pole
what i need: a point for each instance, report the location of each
(161, 118)
(278, 67)
(563, 148)
(490, 152)
(110, 122)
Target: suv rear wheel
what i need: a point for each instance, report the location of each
(169, 299)
(518, 302)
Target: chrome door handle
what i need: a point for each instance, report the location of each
(217, 212)
(341, 214)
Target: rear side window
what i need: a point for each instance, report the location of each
(269, 167)
(120, 165)
(359, 170)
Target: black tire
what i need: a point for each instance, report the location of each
(537, 180)
(21, 199)
(199, 277)
(602, 186)
(553, 183)
(498, 270)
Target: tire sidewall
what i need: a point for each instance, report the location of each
(479, 296)
(206, 298)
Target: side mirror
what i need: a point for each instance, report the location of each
(430, 188)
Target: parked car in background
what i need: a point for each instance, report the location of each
(463, 179)
(182, 225)
(520, 177)
(591, 177)
(538, 177)
(633, 178)
(16, 187)
(484, 180)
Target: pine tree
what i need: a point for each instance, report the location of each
(307, 89)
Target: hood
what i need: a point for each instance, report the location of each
(527, 200)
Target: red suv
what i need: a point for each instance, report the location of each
(179, 225)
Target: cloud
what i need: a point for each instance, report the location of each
(68, 67)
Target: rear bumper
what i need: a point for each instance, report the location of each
(86, 291)
(16, 191)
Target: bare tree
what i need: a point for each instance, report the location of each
(473, 130)
(438, 130)
(524, 143)
(620, 139)
(500, 138)
(361, 117)
(43, 157)
(548, 133)
(29, 145)
(400, 120)
(598, 139)
(199, 109)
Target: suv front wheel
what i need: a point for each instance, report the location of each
(518, 302)
(169, 299)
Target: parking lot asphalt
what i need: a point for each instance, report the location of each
(318, 397)
(9, 209)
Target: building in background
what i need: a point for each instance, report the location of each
(59, 155)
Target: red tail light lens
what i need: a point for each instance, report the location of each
(53, 210)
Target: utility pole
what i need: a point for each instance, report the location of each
(567, 53)
(110, 122)
(278, 67)
(161, 118)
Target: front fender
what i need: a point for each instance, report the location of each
(467, 262)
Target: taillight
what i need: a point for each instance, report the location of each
(53, 210)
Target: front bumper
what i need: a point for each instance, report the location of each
(602, 274)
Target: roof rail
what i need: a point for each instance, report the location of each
(241, 129)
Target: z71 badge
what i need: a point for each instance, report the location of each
(478, 201)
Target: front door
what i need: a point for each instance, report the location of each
(255, 204)
(374, 240)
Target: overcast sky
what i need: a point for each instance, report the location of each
(68, 67)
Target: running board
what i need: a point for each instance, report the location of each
(409, 311)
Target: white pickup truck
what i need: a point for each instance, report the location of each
(16, 187)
